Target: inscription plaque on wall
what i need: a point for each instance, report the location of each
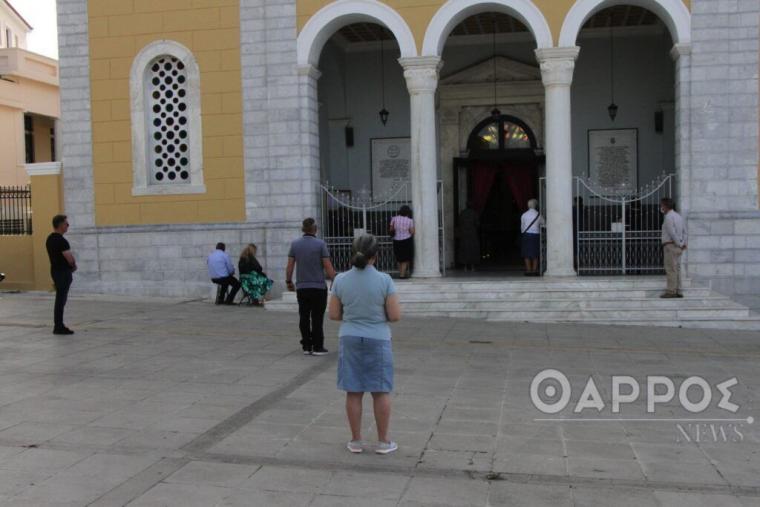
(391, 164)
(613, 158)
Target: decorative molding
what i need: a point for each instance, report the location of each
(330, 18)
(679, 50)
(673, 13)
(309, 70)
(507, 70)
(43, 169)
(455, 11)
(557, 65)
(141, 184)
(421, 73)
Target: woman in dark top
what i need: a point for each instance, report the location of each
(252, 277)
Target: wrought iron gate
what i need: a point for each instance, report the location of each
(616, 231)
(344, 216)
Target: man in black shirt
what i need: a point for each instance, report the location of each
(62, 265)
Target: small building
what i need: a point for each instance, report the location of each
(29, 101)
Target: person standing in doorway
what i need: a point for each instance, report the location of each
(468, 251)
(222, 272)
(673, 246)
(310, 254)
(530, 238)
(402, 232)
(62, 265)
(365, 300)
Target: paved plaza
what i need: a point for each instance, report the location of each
(174, 402)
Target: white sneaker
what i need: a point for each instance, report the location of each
(386, 447)
(355, 446)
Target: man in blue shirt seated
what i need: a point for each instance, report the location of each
(221, 271)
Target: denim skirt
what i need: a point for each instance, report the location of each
(365, 365)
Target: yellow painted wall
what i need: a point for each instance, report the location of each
(418, 13)
(24, 259)
(47, 201)
(119, 29)
(17, 262)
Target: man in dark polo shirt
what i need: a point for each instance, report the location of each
(313, 260)
(62, 265)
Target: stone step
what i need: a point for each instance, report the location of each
(535, 295)
(621, 301)
(540, 284)
(692, 318)
(564, 310)
(555, 315)
(562, 295)
(574, 305)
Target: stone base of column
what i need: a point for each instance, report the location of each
(560, 273)
(426, 274)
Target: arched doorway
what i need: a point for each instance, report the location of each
(624, 140)
(496, 179)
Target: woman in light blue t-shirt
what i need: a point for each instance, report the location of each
(365, 300)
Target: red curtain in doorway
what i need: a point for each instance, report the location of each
(483, 176)
(521, 182)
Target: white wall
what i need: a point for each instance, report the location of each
(644, 75)
(360, 102)
(8, 20)
(644, 80)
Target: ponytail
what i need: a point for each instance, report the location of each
(364, 249)
(359, 260)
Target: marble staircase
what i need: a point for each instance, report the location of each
(613, 300)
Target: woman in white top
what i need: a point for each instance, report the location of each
(530, 247)
(402, 231)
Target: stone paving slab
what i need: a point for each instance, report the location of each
(157, 402)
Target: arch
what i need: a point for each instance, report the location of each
(673, 13)
(454, 12)
(501, 119)
(329, 19)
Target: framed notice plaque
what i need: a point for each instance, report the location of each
(613, 158)
(391, 164)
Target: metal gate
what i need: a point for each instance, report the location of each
(616, 232)
(346, 215)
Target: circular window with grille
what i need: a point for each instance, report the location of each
(168, 121)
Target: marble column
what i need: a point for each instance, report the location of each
(557, 66)
(681, 54)
(421, 74)
(310, 177)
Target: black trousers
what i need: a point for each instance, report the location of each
(224, 284)
(62, 281)
(311, 310)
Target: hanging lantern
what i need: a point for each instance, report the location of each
(612, 109)
(383, 112)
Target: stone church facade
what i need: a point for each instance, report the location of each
(251, 74)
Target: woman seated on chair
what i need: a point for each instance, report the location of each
(253, 280)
